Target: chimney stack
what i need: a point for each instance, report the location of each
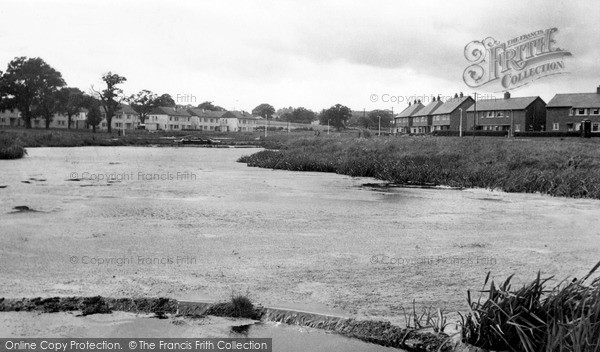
(461, 94)
(506, 95)
(598, 90)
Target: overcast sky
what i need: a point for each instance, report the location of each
(315, 54)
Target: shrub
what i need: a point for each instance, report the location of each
(11, 147)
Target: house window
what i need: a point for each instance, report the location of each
(581, 111)
(596, 127)
(490, 114)
(500, 114)
(555, 126)
(595, 111)
(569, 127)
(103, 124)
(518, 127)
(571, 112)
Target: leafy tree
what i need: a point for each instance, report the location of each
(373, 117)
(281, 112)
(144, 102)
(94, 116)
(111, 96)
(208, 105)
(264, 110)
(28, 83)
(302, 115)
(286, 116)
(47, 104)
(165, 100)
(337, 116)
(71, 101)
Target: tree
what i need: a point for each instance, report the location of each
(302, 115)
(335, 116)
(46, 104)
(144, 102)
(71, 101)
(165, 100)
(265, 110)
(111, 96)
(208, 105)
(94, 116)
(27, 83)
(373, 118)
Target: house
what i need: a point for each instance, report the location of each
(448, 116)
(403, 121)
(421, 120)
(11, 117)
(168, 119)
(125, 118)
(205, 120)
(565, 112)
(516, 114)
(235, 121)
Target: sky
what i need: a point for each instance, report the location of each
(315, 54)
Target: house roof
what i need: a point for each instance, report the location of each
(165, 110)
(237, 115)
(503, 104)
(410, 110)
(126, 109)
(205, 113)
(450, 105)
(576, 100)
(429, 109)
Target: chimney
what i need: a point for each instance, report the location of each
(456, 95)
(461, 95)
(598, 90)
(409, 103)
(506, 95)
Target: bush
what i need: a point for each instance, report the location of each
(11, 147)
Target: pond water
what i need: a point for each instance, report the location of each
(191, 223)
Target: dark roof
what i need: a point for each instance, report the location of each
(410, 110)
(451, 105)
(237, 115)
(165, 110)
(504, 104)
(429, 109)
(576, 100)
(126, 109)
(205, 113)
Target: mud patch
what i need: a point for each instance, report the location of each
(23, 209)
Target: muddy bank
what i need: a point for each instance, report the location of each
(90, 305)
(377, 332)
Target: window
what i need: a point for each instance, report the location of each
(569, 127)
(103, 124)
(490, 114)
(3, 120)
(517, 127)
(571, 112)
(595, 111)
(581, 111)
(555, 126)
(596, 127)
(500, 114)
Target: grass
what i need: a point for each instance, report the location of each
(568, 168)
(11, 147)
(534, 319)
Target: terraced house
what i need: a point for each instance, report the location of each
(509, 114)
(566, 112)
(403, 121)
(205, 120)
(448, 116)
(421, 120)
(168, 119)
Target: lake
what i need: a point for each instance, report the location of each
(191, 223)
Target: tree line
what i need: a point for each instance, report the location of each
(37, 90)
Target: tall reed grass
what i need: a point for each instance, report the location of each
(535, 319)
(550, 166)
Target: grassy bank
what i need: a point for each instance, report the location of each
(11, 147)
(79, 138)
(569, 168)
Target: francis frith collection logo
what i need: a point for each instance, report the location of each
(515, 63)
